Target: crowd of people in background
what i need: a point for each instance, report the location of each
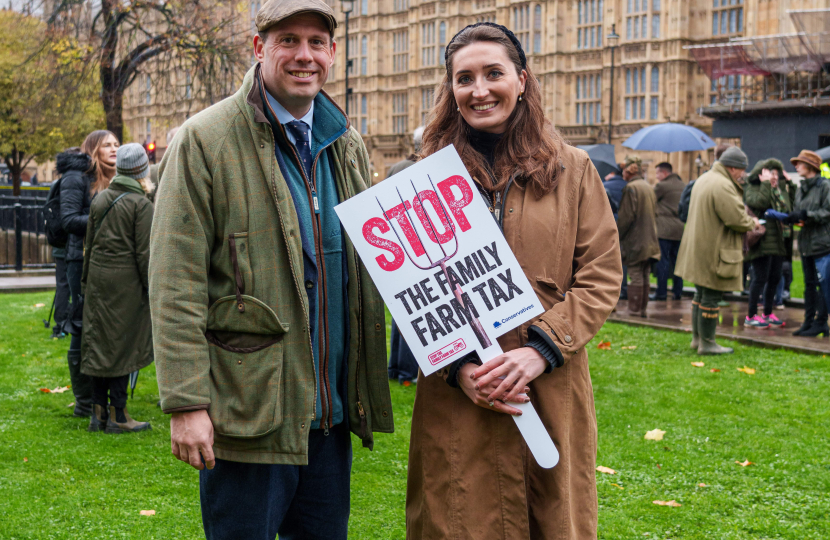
(720, 229)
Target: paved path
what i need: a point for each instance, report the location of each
(27, 284)
(676, 315)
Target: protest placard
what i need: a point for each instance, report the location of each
(444, 269)
(439, 260)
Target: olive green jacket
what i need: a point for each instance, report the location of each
(637, 223)
(711, 252)
(229, 308)
(761, 196)
(117, 337)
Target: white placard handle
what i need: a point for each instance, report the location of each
(529, 423)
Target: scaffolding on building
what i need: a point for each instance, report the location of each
(773, 68)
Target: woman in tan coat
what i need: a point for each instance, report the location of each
(471, 475)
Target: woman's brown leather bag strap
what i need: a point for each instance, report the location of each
(240, 283)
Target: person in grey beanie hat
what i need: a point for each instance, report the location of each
(117, 337)
(132, 161)
(734, 158)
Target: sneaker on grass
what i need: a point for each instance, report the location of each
(773, 320)
(757, 321)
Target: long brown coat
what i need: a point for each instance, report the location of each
(471, 476)
(637, 223)
(711, 253)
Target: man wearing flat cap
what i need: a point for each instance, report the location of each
(711, 251)
(269, 335)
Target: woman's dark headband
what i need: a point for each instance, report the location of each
(510, 35)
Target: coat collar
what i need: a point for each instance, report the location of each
(719, 168)
(125, 183)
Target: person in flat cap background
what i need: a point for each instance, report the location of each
(711, 251)
(269, 335)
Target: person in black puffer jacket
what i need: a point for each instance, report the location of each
(75, 199)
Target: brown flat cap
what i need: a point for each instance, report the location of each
(275, 11)
(808, 158)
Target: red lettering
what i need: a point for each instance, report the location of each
(432, 197)
(383, 243)
(456, 206)
(399, 213)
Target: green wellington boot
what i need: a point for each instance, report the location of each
(707, 326)
(695, 325)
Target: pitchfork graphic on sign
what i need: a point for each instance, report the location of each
(478, 330)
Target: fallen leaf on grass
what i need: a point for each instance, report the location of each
(671, 503)
(629, 348)
(148, 512)
(617, 485)
(698, 364)
(71, 405)
(702, 485)
(604, 345)
(606, 470)
(659, 466)
(40, 305)
(715, 370)
(58, 390)
(655, 435)
(745, 463)
(25, 460)
(747, 370)
(407, 383)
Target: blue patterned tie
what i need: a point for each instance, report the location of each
(299, 130)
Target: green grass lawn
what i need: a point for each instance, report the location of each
(80, 485)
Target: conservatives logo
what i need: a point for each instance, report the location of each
(508, 319)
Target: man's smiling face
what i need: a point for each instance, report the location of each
(296, 58)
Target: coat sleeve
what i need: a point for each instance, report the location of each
(181, 241)
(88, 252)
(595, 285)
(685, 200)
(627, 213)
(758, 197)
(729, 208)
(73, 218)
(821, 214)
(143, 225)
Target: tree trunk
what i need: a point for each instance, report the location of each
(113, 107)
(14, 160)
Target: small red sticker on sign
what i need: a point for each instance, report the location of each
(445, 352)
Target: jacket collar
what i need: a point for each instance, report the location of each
(808, 183)
(125, 183)
(721, 170)
(323, 104)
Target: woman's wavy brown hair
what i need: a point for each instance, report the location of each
(90, 147)
(530, 146)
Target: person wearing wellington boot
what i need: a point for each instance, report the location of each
(117, 338)
(637, 225)
(711, 252)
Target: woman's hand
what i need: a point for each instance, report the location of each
(517, 368)
(765, 176)
(478, 393)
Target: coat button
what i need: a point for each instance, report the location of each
(309, 284)
(568, 339)
(262, 145)
(239, 362)
(385, 414)
(511, 210)
(377, 326)
(302, 426)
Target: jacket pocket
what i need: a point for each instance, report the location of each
(730, 263)
(550, 290)
(246, 364)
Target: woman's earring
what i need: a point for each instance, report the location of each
(520, 96)
(458, 109)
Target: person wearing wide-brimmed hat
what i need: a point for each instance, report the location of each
(812, 209)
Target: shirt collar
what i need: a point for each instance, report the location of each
(283, 116)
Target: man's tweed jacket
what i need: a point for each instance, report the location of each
(229, 309)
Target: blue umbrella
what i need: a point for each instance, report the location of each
(669, 138)
(602, 156)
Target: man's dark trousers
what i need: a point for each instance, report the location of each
(257, 502)
(665, 269)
